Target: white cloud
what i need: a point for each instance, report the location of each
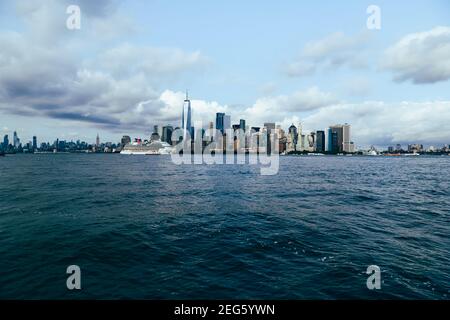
(422, 57)
(381, 123)
(334, 51)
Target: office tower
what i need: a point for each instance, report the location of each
(346, 143)
(186, 122)
(293, 133)
(156, 129)
(270, 127)
(235, 127)
(16, 140)
(334, 142)
(220, 121)
(226, 122)
(167, 134)
(5, 142)
(211, 125)
(97, 141)
(330, 140)
(242, 124)
(338, 140)
(34, 142)
(320, 141)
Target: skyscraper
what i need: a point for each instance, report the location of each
(97, 141)
(220, 121)
(330, 140)
(167, 134)
(242, 124)
(338, 140)
(346, 143)
(320, 141)
(5, 142)
(186, 121)
(16, 140)
(226, 122)
(34, 143)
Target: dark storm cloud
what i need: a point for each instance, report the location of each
(85, 118)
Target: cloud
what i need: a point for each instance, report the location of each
(422, 57)
(154, 62)
(116, 87)
(332, 52)
(381, 123)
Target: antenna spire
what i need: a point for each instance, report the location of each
(187, 95)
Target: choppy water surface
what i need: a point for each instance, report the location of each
(141, 227)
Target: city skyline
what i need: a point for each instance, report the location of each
(126, 69)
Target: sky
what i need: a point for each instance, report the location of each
(316, 63)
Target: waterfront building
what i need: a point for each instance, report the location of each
(346, 143)
(337, 138)
(226, 122)
(292, 141)
(220, 121)
(5, 142)
(34, 143)
(242, 124)
(186, 118)
(320, 141)
(167, 134)
(16, 140)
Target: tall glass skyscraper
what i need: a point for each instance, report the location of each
(337, 138)
(242, 124)
(220, 121)
(320, 141)
(186, 119)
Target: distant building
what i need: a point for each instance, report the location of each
(220, 121)
(320, 141)
(226, 122)
(337, 138)
(242, 124)
(346, 143)
(16, 140)
(270, 126)
(97, 141)
(34, 143)
(167, 134)
(5, 142)
(415, 148)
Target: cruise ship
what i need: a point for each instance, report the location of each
(147, 148)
